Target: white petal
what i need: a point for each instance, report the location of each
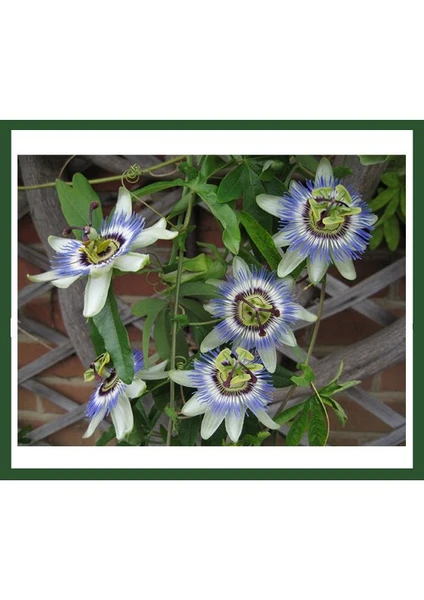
(346, 268)
(305, 315)
(47, 276)
(97, 271)
(325, 171)
(136, 388)
(155, 372)
(289, 262)
(150, 235)
(210, 308)
(269, 204)
(65, 282)
(95, 422)
(124, 203)
(182, 377)
(131, 261)
(122, 417)
(288, 339)
(57, 243)
(240, 268)
(266, 420)
(95, 294)
(234, 425)
(211, 422)
(373, 219)
(317, 268)
(268, 358)
(280, 239)
(214, 282)
(211, 341)
(193, 407)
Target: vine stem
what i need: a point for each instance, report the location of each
(211, 322)
(105, 179)
(174, 329)
(311, 344)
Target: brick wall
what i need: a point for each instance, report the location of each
(339, 330)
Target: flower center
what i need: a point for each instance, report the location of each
(235, 371)
(99, 250)
(328, 210)
(254, 310)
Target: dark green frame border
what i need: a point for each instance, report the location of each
(6, 472)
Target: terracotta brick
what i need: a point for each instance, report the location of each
(135, 335)
(46, 310)
(72, 436)
(27, 400)
(27, 233)
(69, 367)
(75, 389)
(25, 268)
(30, 351)
(394, 378)
(144, 284)
(346, 328)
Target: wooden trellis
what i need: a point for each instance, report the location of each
(363, 359)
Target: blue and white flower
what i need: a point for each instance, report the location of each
(113, 396)
(323, 222)
(258, 310)
(99, 252)
(228, 383)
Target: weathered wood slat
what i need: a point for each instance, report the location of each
(61, 422)
(376, 407)
(35, 257)
(360, 291)
(395, 437)
(31, 291)
(42, 331)
(36, 387)
(45, 361)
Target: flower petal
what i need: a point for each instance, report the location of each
(211, 341)
(122, 417)
(95, 422)
(96, 293)
(194, 407)
(150, 235)
(281, 239)
(234, 425)
(182, 377)
(210, 308)
(289, 262)
(305, 315)
(65, 282)
(268, 358)
(131, 261)
(266, 420)
(288, 338)
(317, 267)
(42, 277)
(240, 268)
(155, 372)
(58, 243)
(136, 388)
(346, 268)
(124, 203)
(270, 204)
(211, 421)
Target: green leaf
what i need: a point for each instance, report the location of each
(391, 179)
(252, 186)
(115, 336)
(106, 436)
(147, 306)
(158, 186)
(335, 388)
(306, 377)
(211, 165)
(338, 409)
(180, 206)
(281, 378)
(261, 238)
(96, 338)
(75, 202)
(377, 238)
(392, 232)
(188, 430)
(198, 290)
(390, 208)
(382, 199)
(275, 187)
(230, 187)
(255, 440)
(161, 333)
(342, 172)
(225, 215)
(299, 426)
(403, 201)
(372, 159)
(318, 425)
(287, 415)
(308, 162)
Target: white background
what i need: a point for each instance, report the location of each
(228, 60)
